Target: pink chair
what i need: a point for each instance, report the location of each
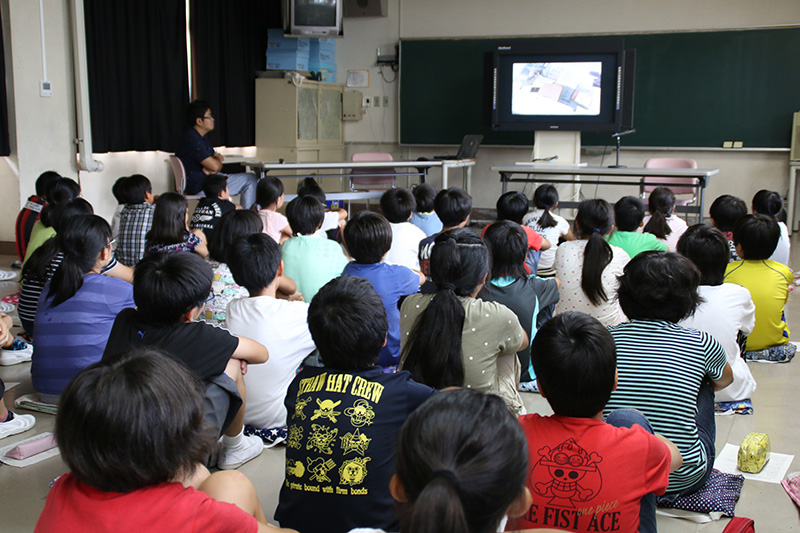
(651, 182)
(179, 177)
(369, 178)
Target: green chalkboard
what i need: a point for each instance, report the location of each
(695, 89)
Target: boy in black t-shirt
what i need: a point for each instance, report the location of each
(344, 418)
(170, 291)
(216, 203)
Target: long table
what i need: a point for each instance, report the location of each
(630, 176)
(264, 167)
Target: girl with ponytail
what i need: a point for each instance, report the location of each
(453, 339)
(662, 222)
(461, 465)
(588, 267)
(550, 226)
(78, 306)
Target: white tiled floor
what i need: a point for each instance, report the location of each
(23, 491)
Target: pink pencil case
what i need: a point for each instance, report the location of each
(32, 447)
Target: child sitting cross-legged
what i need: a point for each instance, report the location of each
(756, 237)
(628, 217)
(668, 372)
(170, 232)
(727, 311)
(344, 417)
(766, 202)
(135, 219)
(398, 205)
(269, 198)
(216, 203)
(367, 239)
(280, 325)
(29, 214)
(578, 460)
(170, 290)
(424, 217)
(453, 207)
(513, 206)
(725, 210)
(131, 431)
(549, 225)
(309, 260)
(662, 220)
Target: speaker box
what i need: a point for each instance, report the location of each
(794, 154)
(365, 8)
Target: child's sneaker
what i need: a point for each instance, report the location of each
(16, 424)
(528, 386)
(230, 458)
(776, 354)
(18, 352)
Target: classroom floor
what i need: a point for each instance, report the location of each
(23, 491)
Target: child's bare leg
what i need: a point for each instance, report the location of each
(3, 410)
(232, 486)
(234, 371)
(6, 338)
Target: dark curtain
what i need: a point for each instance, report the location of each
(5, 147)
(229, 44)
(138, 75)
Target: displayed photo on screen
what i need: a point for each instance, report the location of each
(556, 88)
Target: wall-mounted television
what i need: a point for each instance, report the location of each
(559, 84)
(319, 18)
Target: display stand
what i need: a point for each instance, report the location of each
(566, 145)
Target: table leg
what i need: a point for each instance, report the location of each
(790, 200)
(468, 172)
(444, 176)
(503, 178)
(701, 182)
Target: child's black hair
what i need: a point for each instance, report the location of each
(268, 190)
(81, 238)
(138, 187)
(453, 206)
(348, 323)
(766, 202)
(545, 197)
(726, 210)
(460, 262)
(454, 477)
(66, 211)
(660, 204)
(575, 361)
(196, 109)
(309, 187)
(214, 184)
(149, 405)
(46, 180)
(168, 285)
(233, 225)
(628, 213)
(508, 245)
(60, 191)
(253, 261)
(169, 219)
(119, 191)
(593, 221)
(424, 195)
(758, 235)
(397, 205)
(708, 249)
(512, 206)
(659, 286)
(367, 237)
(305, 214)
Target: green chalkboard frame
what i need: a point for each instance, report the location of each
(693, 89)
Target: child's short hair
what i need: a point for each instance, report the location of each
(46, 180)
(708, 249)
(659, 286)
(367, 237)
(214, 184)
(309, 187)
(305, 214)
(575, 361)
(254, 261)
(397, 205)
(512, 206)
(767, 202)
(447, 488)
(628, 213)
(758, 235)
(119, 190)
(726, 210)
(508, 245)
(232, 226)
(268, 190)
(167, 285)
(348, 323)
(424, 195)
(138, 186)
(132, 421)
(453, 206)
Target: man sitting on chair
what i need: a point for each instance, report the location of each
(199, 158)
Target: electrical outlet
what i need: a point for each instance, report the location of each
(376, 101)
(385, 101)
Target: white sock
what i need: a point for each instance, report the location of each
(233, 442)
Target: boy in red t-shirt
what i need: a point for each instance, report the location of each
(30, 212)
(587, 474)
